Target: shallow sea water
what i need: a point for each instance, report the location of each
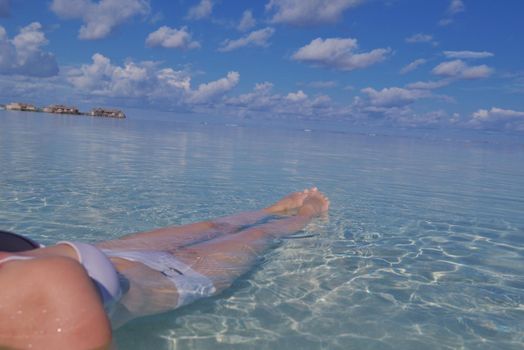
(423, 247)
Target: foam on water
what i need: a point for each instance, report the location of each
(423, 247)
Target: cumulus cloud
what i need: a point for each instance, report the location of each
(468, 54)
(394, 96)
(304, 12)
(99, 17)
(146, 80)
(407, 117)
(454, 7)
(23, 54)
(210, 91)
(496, 114)
(498, 117)
(262, 101)
(200, 11)
(421, 38)
(4, 8)
(296, 96)
(103, 78)
(257, 38)
(386, 106)
(412, 66)
(398, 114)
(247, 21)
(460, 70)
(338, 53)
(171, 38)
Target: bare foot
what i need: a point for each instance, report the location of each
(314, 204)
(290, 202)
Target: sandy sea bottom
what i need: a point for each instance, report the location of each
(423, 247)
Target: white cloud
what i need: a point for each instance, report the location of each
(304, 12)
(412, 119)
(398, 113)
(459, 69)
(455, 7)
(175, 79)
(412, 66)
(99, 17)
(498, 118)
(421, 38)
(496, 114)
(247, 21)
(387, 106)
(23, 54)
(321, 101)
(327, 84)
(171, 38)
(146, 80)
(516, 82)
(4, 8)
(257, 38)
(260, 99)
(298, 96)
(394, 96)
(338, 53)
(429, 85)
(91, 77)
(263, 102)
(209, 91)
(200, 11)
(103, 78)
(468, 54)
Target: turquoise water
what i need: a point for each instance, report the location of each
(423, 247)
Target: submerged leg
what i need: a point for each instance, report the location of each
(222, 260)
(226, 258)
(180, 236)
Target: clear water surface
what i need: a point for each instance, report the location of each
(423, 247)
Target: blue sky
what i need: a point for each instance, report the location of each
(434, 63)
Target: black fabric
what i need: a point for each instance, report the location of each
(11, 242)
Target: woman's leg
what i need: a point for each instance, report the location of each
(226, 258)
(169, 238)
(221, 259)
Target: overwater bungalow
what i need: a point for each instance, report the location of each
(61, 109)
(19, 106)
(109, 113)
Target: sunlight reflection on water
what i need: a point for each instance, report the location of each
(423, 246)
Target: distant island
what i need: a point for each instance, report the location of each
(61, 109)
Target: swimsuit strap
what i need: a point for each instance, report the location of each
(15, 257)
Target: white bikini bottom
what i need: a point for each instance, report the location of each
(190, 284)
